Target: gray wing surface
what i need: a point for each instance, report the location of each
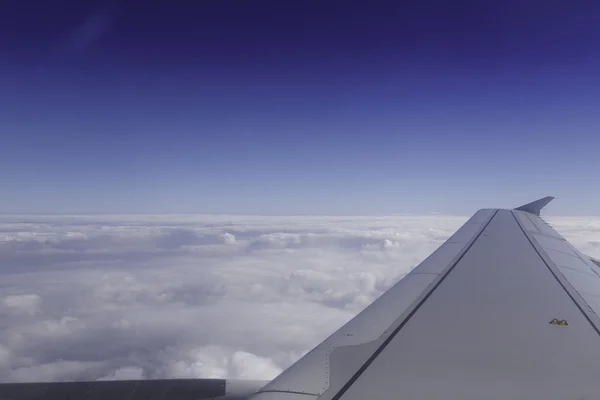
(159, 389)
(505, 309)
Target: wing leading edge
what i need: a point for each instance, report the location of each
(505, 308)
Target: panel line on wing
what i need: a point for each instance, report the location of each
(570, 254)
(382, 347)
(289, 392)
(560, 282)
(577, 270)
(424, 273)
(527, 215)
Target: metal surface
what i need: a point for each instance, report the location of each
(568, 265)
(536, 206)
(484, 333)
(167, 389)
(283, 396)
(569, 261)
(311, 374)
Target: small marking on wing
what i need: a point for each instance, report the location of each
(560, 322)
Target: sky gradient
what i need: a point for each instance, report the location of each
(299, 107)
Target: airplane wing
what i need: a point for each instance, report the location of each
(158, 389)
(505, 309)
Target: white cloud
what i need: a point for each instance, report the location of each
(582, 232)
(250, 366)
(24, 303)
(4, 357)
(124, 373)
(143, 297)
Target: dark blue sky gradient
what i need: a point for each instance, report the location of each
(298, 107)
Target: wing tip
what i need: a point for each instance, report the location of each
(536, 206)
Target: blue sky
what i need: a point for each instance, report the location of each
(270, 108)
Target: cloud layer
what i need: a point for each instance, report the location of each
(142, 297)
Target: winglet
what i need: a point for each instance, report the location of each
(536, 206)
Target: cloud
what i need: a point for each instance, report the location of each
(581, 232)
(24, 303)
(146, 297)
